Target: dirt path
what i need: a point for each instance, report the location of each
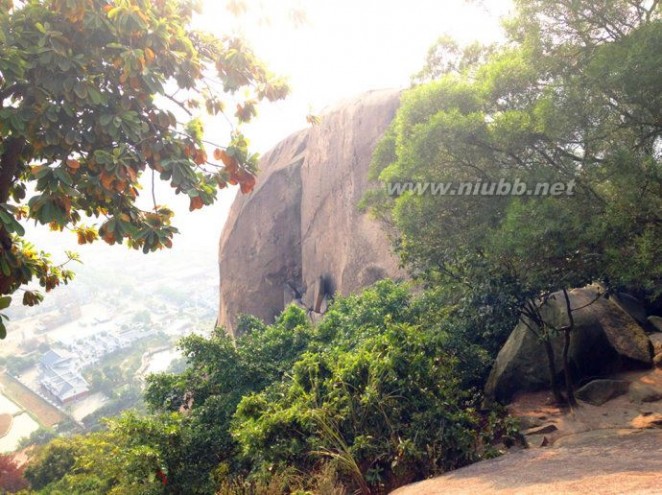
(612, 449)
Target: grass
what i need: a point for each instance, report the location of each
(45, 414)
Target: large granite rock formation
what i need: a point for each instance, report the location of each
(299, 235)
(605, 340)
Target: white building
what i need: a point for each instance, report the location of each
(59, 375)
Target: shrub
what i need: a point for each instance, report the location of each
(390, 411)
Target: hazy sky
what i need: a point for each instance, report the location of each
(345, 47)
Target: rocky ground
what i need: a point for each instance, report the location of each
(613, 448)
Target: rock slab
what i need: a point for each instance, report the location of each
(300, 235)
(613, 465)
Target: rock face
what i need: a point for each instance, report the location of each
(299, 235)
(597, 392)
(605, 340)
(257, 257)
(655, 322)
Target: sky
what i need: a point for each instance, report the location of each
(342, 49)
(345, 47)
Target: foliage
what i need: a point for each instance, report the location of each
(531, 112)
(51, 463)
(389, 412)
(11, 475)
(40, 436)
(569, 100)
(16, 365)
(378, 395)
(475, 323)
(125, 398)
(354, 318)
(372, 397)
(445, 56)
(323, 482)
(95, 94)
(127, 458)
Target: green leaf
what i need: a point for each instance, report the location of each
(68, 84)
(81, 90)
(11, 224)
(5, 301)
(43, 172)
(95, 96)
(5, 217)
(3, 330)
(6, 271)
(105, 119)
(70, 138)
(64, 176)
(18, 229)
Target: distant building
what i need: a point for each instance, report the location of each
(59, 376)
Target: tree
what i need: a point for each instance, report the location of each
(11, 475)
(51, 462)
(570, 101)
(96, 95)
(374, 396)
(379, 394)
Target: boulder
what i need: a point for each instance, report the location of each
(642, 392)
(656, 340)
(605, 340)
(597, 392)
(655, 322)
(345, 246)
(301, 227)
(258, 259)
(632, 306)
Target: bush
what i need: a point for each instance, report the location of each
(380, 394)
(11, 475)
(383, 392)
(39, 437)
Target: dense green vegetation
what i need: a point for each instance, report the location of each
(15, 365)
(374, 397)
(572, 101)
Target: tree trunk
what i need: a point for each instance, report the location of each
(532, 313)
(9, 161)
(569, 388)
(553, 383)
